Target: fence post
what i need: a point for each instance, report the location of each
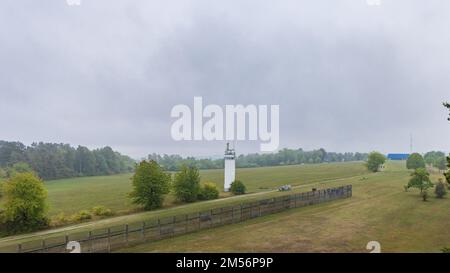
(159, 227)
(143, 231)
(173, 225)
(241, 218)
(186, 220)
(43, 246)
(91, 243)
(19, 248)
(126, 234)
(109, 240)
(210, 218)
(66, 239)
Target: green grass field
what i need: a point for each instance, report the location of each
(72, 195)
(380, 210)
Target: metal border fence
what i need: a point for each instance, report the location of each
(116, 237)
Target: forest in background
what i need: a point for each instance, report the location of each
(282, 157)
(55, 161)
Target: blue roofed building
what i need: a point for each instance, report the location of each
(398, 156)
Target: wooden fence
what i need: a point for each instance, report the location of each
(108, 239)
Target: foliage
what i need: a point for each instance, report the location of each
(283, 157)
(208, 191)
(150, 184)
(440, 190)
(186, 184)
(60, 219)
(2, 186)
(237, 187)
(435, 158)
(82, 215)
(374, 161)
(54, 161)
(26, 203)
(445, 250)
(447, 174)
(447, 105)
(102, 211)
(415, 161)
(420, 179)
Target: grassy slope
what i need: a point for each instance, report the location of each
(82, 193)
(379, 210)
(72, 195)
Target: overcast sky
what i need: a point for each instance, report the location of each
(347, 76)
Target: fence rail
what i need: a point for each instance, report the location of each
(108, 239)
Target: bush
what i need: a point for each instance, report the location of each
(1, 188)
(2, 221)
(3, 173)
(440, 190)
(60, 219)
(420, 179)
(26, 206)
(208, 191)
(187, 184)
(237, 187)
(102, 211)
(82, 216)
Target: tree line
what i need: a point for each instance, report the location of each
(55, 161)
(282, 157)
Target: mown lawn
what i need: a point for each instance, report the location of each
(380, 210)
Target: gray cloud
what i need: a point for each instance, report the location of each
(347, 76)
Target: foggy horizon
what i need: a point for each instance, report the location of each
(348, 77)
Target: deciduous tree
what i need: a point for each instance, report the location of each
(187, 184)
(26, 203)
(150, 184)
(374, 161)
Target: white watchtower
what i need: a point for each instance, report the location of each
(230, 167)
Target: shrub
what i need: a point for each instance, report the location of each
(208, 191)
(445, 250)
(1, 188)
(102, 211)
(440, 190)
(420, 179)
(187, 184)
(26, 206)
(2, 222)
(3, 173)
(82, 216)
(60, 219)
(237, 187)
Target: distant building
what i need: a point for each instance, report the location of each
(398, 156)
